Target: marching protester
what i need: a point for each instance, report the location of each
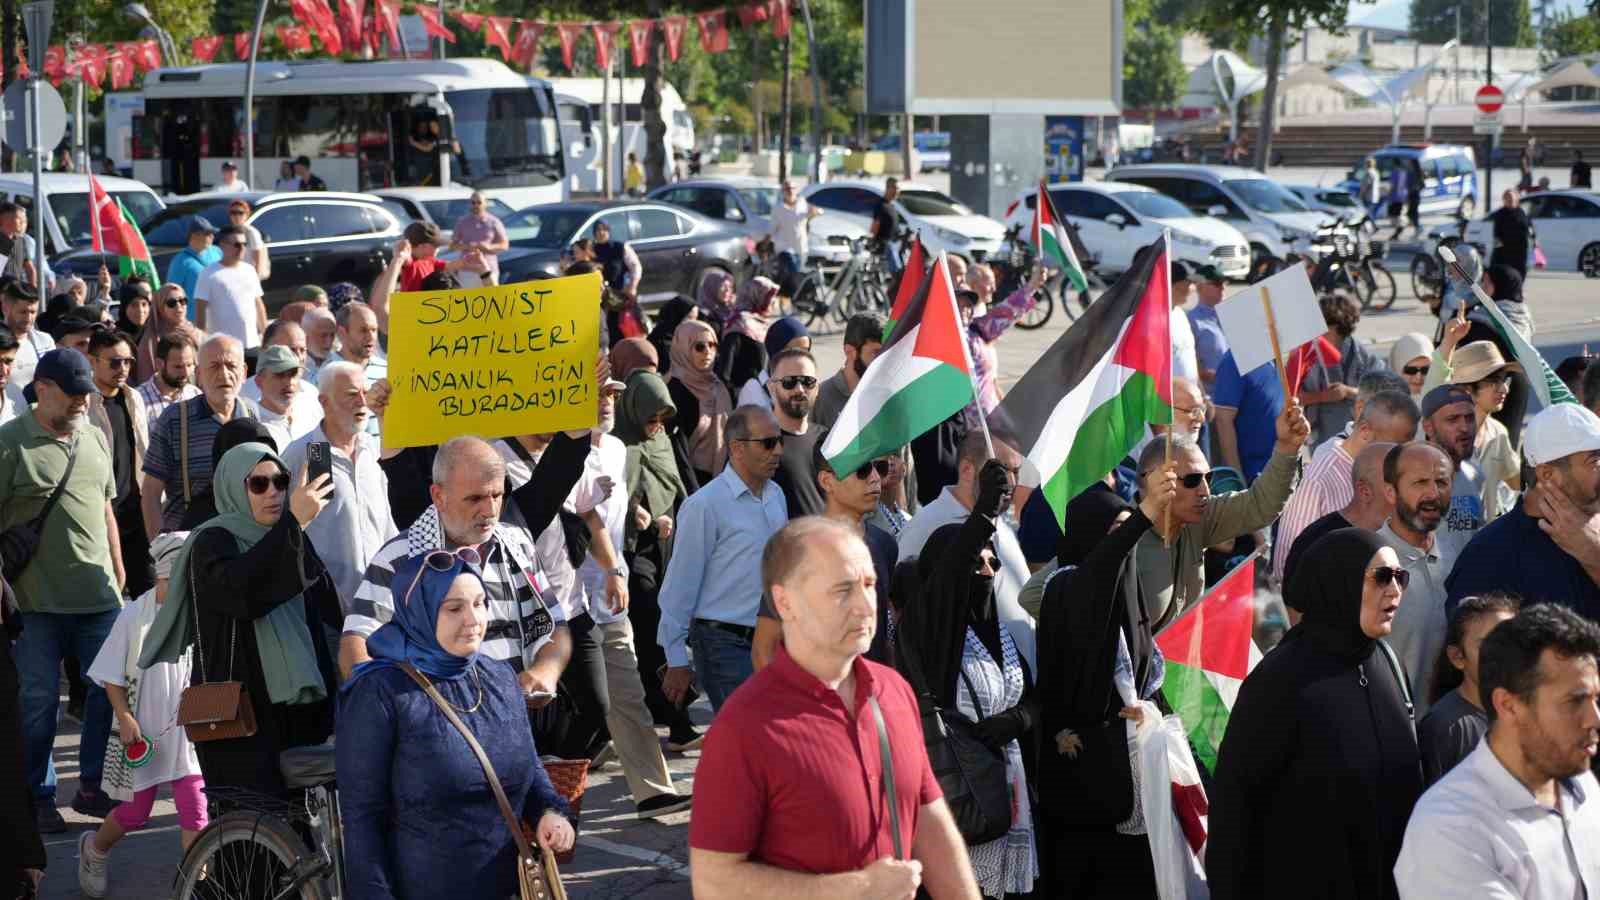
(631, 355)
(671, 314)
(1329, 699)
(118, 411)
(145, 701)
(166, 320)
(1542, 551)
(283, 403)
(134, 309)
(1210, 343)
(1449, 421)
(228, 295)
(744, 355)
(790, 810)
(1412, 356)
(1092, 678)
(20, 304)
(1329, 389)
(1484, 373)
(703, 401)
(786, 333)
(322, 337)
(863, 338)
(358, 343)
(1185, 361)
(255, 247)
(1246, 406)
(712, 588)
(1456, 720)
(1518, 816)
(791, 390)
(409, 828)
(12, 403)
(249, 581)
(985, 322)
(1417, 482)
(198, 255)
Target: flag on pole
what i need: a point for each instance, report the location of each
(114, 232)
(1209, 651)
(1051, 242)
(911, 278)
(921, 377)
(1546, 383)
(1084, 405)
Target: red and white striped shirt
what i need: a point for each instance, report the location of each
(1325, 488)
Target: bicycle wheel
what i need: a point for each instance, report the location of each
(1380, 284)
(248, 856)
(1426, 283)
(808, 302)
(1044, 304)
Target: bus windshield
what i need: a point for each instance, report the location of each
(508, 136)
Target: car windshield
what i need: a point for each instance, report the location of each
(1154, 205)
(72, 212)
(445, 212)
(1266, 196)
(930, 203)
(1336, 198)
(547, 227)
(508, 137)
(170, 227)
(760, 200)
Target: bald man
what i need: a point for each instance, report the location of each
(1368, 508)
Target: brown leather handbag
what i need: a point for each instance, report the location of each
(214, 710)
(537, 877)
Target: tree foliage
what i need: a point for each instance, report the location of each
(1570, 34)
(1510, 22)
(1153, 75)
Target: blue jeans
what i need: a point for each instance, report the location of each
(46, 638)
(721, 661)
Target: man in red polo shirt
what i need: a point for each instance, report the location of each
(798, 805)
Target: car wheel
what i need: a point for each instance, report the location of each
(1589, 260)
(1465, 210)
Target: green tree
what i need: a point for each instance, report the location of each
(1153, 75)
(1570, 34)
(1510, 22)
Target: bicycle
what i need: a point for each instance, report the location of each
(1427, 272)
(1348, 265)
(254, 852)
(861, 285)
(1011, 270)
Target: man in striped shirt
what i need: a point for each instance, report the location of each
(526, 628)
(1389, 417)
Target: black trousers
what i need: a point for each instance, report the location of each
(135, 544)
(645, 613)
(574, 726)
(1096, 863)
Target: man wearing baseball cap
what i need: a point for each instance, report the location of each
(185, 268)
(1184, 364)
(1545, 550)
(415, 258)
(231, 182)
(1449, 421)
(288, 408)
(1210, 344)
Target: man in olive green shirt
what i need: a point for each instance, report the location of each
(70, 590)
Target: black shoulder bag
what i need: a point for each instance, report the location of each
(971, 776)
(20, 542)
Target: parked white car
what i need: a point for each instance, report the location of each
(1115, 220)
(941, 222)
(67, 195)
(443, 206)
(1272, 218)
(1567, 224)
(745, 203)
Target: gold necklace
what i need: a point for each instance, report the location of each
(476, 680)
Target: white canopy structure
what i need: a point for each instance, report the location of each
(1224, 79)
(1575, 73)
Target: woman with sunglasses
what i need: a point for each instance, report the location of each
(252, 596)
(166, 317)
(420, 819)
(1319, 769)
(952, 647)
(702, 399)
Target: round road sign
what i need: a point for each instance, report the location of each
(18, 127)
(1489, 98)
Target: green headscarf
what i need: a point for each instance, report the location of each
(288, 658)
(651, 465)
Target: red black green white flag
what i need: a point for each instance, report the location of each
(113, 231)
(1086, 402)
(921, 377)
(911, 278)
(1209, 651)
(1051, 242)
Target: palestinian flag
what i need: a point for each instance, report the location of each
(1051, 242)
(920, 378)
(1086, 402)
(1548, 385)
(1209, 651)
(113, 231)
(911, 278)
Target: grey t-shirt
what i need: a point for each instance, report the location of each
(1465, 516)
(1450, 730)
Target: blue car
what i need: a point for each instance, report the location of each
(1449, 175)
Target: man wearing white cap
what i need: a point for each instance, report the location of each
(1547, 548)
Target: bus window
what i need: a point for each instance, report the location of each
(417, 158)
(507, 137)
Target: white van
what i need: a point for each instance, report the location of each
(67, 201)
(581, 135)
(1272, 218)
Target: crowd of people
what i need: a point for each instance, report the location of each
(919, 676)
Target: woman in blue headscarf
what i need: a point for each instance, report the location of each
(420, 819)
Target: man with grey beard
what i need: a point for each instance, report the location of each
(1417, 480)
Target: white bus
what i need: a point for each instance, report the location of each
(363, 125)
(581, 129)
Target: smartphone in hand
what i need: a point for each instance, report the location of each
(319, 461)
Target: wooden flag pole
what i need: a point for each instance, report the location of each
(1277, 351)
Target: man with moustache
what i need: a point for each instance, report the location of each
(1449, 421)
(863, 338)
(1369, 507)
(1545, 550)
(793, 387)
(1520, 816)
(1416, 479)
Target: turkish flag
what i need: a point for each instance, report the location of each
(568, 32)
(351, 14)
(92, 64)
(1305, 357)
(604, 34)
(639, 31)
(148, 58)
(205, 48)
(432, 25)
(527, 45)
(672, 29)
(387, 14)
(55, 63)
(128, 50)
(713, 30)
(326, 27)
(241, 45)
(751, 13)
(497, 34)
(473, 21)
(780, 18)
(295, 38)
(121, 70)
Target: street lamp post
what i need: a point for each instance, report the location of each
(250, 95)
(169, 50)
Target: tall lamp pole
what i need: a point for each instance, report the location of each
(250, 96)
(816, 96)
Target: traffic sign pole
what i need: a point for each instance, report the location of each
(36, 18)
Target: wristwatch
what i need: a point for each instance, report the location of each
(618, 571)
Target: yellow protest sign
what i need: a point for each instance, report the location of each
(493, 361)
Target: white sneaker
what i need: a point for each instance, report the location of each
(91, 867)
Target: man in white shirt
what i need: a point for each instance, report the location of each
(790, 220)
(255, 248)
(1520, 816)
(228, 298)
(11, 402)
(287, 408)
(231, 182)
(357, 330)
(20, 304)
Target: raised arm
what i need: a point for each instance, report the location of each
(272, 569)
(558, 470)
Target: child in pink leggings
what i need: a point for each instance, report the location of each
(149, 724)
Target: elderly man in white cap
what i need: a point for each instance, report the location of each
(1547, 548)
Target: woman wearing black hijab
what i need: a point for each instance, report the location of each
(959, 656)
(1319, 768)
(672, 314)
(229, 436)
(1095, 645)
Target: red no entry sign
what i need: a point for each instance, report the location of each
(1489, 98)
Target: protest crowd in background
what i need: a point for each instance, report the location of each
(977, 640)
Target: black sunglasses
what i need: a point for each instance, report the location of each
(259, 484)
(1382, 575)
(790, 382)
(1193, 479)
(175, 302)
(703, 346)
(1415, 370)
(767, 443)
(865, 470)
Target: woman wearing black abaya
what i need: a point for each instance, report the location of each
(1095, 645)
(1319, 768)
